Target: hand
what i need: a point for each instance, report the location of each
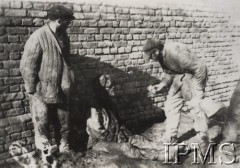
(152, 89)
(160, 87)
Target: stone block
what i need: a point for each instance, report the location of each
(14, 96)
(4, 73)
(11, 64)
(15, 12)
(6, 106)
(107, 30)
(91, 31)
(16, 4)
(4, 21)
(27, 5)
(37, 13)
(89, 45)
(14, 88)
(17, 30)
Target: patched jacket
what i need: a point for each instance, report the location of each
(43, 66)
(176, 58)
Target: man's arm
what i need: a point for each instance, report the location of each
(166, 80)
(29, 63)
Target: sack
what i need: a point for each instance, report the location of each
(66, 79)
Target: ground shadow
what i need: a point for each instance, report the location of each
(136, 108)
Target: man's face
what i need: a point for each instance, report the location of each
(153, 54)
(106, 82)
(63, 23)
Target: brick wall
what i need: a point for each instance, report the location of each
(109, 39)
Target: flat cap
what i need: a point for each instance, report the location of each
(60, 12)
(151, 44)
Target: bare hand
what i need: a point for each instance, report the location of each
(152, 89)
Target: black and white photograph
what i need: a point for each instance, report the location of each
(119, 83)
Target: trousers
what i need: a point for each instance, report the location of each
(45, 114)
(184, 88)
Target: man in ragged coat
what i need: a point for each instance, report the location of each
(182, 71)
(47, 77)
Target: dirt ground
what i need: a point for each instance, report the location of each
(96, 159)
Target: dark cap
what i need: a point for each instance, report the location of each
(151, 44)
(60, 12)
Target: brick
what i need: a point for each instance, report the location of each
(75, 30)
(91, 31)
(16, 21)
(26, 134)
(6, 106)
(104, 44)
(86, 8)
(1, 12)
(98, 37)
(37, 13)
(3, 89)
(93, 23)
(82, 52)
(136, 31)
(4, 73)
(14, 112)
(11, 64)
(172, 30)
(13, 80)
(122, 10)
(107, 58)
(15, 56)
(15, 12)
(89, 44)
(107, 30)
(38, 6)
(17, 104)
(4, 156)
(30, 125)
(102, 23)
(98, 51)
(113, 50)
(183, 30)
(2, 30)
(17, 30)
(16, 136)
(137, 11)
(15, 88)
(13, 39)
(14, 96)
(78, 15)
(90, 38)
(27, 5)
(15, 72)
(106, 51)
(90, 51)
(1, 48)
(77, 8)
(108, 16)
(91, 16)
(4, 21)
(130, 24)
(106, 37)
(14, 129)
(121, 30)
(136, 17)
(4, 56)
(123, 24)
(16, 4)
